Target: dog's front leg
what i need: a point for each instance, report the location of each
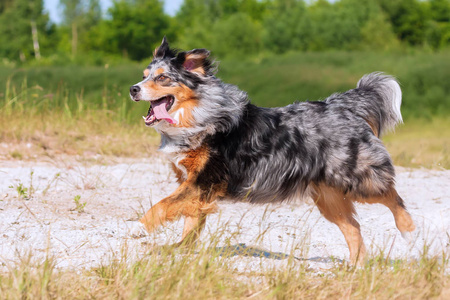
(156, 216)
(184, 201)
(193, 226)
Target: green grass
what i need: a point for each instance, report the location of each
(270, 81)
(277, 81)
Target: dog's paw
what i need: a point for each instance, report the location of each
(410, 237)
(407, 236)
(137, 230)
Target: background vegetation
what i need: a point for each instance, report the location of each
(64, 91)
(130, 29)
(79, 71)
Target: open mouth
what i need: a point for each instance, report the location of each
(158, 111)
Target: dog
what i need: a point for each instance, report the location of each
(222, 146)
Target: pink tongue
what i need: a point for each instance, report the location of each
(159, 108)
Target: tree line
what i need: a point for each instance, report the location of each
(132, 28)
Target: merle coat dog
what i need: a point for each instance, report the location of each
(222, 146)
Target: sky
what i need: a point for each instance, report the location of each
(52, 7)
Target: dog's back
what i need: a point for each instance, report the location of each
(275, 153)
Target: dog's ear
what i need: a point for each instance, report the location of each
(195, 61)
(162, 50)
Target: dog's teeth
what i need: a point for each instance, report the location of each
(143, 117)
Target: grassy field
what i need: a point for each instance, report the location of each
(78, 109)
(270, 81)
(75, 110)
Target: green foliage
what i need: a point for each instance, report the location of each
(22, 191)
(79, 207)
(438, 28)
(270, 81)
(248, 29)
(236, 35)
(344, 24)
(15, 28)
(79, 17)
(377, 34)
(287, 26)
(409, 19)
(132, 28)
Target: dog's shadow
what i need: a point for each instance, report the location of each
(242, 249)
(248, 251)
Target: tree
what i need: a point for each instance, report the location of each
(16, 22)
(133, 29)
(438, 29)
(287, 26)
(4, 4)
(236, 35)
(197, 22)
(408, 18)
(72, 11)
(80, 16)
(377, 33)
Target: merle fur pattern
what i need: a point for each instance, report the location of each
(274, 154)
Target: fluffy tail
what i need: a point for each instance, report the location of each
(382, 110)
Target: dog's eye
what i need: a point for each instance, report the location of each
(143, 77)
(162, 78)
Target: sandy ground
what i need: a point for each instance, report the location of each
(45, 220)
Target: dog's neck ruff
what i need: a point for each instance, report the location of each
(220, 109)
(177, 144)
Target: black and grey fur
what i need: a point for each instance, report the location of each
(273, 154)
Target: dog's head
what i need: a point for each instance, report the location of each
(170, 84)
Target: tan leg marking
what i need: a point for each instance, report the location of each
(339, 209)
(193, 227)
(394, 202)
(184, 201)
(188, 200)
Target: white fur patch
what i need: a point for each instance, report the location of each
(397, 98)
(179, 113)
(169, 149)
(176, 159)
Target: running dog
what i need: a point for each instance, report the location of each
(222, 146)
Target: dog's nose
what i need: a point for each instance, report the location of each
(134, 90)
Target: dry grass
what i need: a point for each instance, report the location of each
(421, 143)
(417, 143)
(31, 137)
(204, 274)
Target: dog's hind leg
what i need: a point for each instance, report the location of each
(395, 203)
(339, 209)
